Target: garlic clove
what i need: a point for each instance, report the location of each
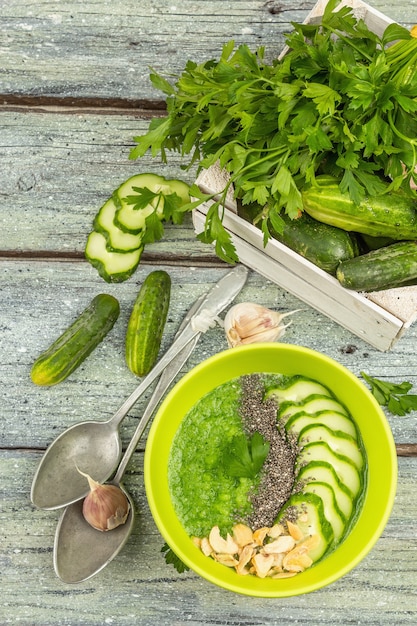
(248, 322)
(106, 506)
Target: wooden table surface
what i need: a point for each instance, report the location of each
(75, 89)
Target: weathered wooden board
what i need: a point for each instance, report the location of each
(72, 78)
(139, 589)
(91, 49)
(50, 296)
(58, 169)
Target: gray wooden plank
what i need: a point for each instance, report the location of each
(57, 170)
(138, 588)
(38, 300)
(91, 49)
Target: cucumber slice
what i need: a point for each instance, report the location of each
(338, 422)
(310, 517)
(180, 188)
(117, 240)
(133, 220)
(320, 471)
(345, 468)
(297, 390)
(331, 509)
(311, 404)
(340, 443)
(154, 182)
(114, 267)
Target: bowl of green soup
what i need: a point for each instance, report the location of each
(270, 470)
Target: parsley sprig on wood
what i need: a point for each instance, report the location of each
(394, 396)
(341, 101)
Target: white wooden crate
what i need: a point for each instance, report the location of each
(380, 317)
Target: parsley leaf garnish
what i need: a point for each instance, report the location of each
(246, 456)
(172, 559)
(394, 396)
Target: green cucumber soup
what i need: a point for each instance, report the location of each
(262, 446)
(203, 494)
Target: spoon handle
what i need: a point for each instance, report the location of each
(164, 382)
(220, 295)
(185, 336)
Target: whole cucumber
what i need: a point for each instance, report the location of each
(384, 268)
(322, 244)
(391, 215)
(147, 322)
(77, 342)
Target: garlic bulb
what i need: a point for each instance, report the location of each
(106, 506)
(252, 323)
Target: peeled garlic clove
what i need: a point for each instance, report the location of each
(106, 506)
(248, 322)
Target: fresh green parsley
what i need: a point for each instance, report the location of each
(342, 101)
(167, 207)
(172, 559)
(245, 456)
(394, 396)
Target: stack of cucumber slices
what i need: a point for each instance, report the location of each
(123, 224)
(331, 464)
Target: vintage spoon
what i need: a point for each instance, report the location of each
(80, 551)
(95, 447)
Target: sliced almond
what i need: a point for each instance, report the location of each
(295, 531)
(205, 547)
(278, 559)
(244, 558)
(285, 543)
(220, 545)
(226, 559)
(260, 534)
(296, 562)
(242, 535)
(275, 531)
(311, 542)
(262, 564)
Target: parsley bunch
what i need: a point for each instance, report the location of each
(342, 101)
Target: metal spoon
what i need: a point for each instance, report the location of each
(94, 447)
(80, 551)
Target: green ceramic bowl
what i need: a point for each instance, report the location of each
(284, 359)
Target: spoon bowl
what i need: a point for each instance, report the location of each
(57, 481)
(93, 447)
(75, 537)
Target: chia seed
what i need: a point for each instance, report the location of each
(278, 473)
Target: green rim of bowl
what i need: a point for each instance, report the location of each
(286, 359)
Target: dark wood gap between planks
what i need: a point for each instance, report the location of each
(23, 103)
(146, 259)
